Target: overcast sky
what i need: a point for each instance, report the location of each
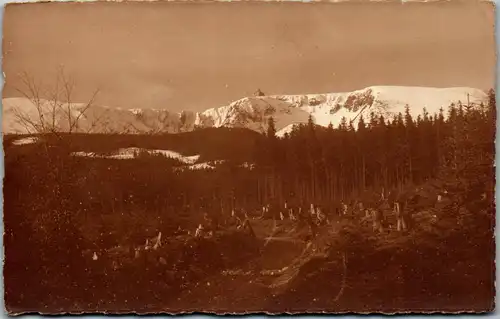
(196, 56)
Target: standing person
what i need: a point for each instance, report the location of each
(263, 213)
(312, 210)
(199, 231)
(278, 212)
(361, 208)
(344, 208)
(406, 211)
(384, 208)
(377, 220)
(291, 214)
(399, 211)
(320, 215)
(312, 226)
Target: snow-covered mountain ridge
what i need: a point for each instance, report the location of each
(249, 112)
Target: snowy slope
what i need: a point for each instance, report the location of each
(287, 110)
(387, 101)
(253, 112)
(133, 152)
(381, 100)
(18, 114)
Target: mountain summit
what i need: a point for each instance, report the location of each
(249, 112)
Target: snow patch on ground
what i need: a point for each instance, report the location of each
(247, 165)
(134, 152)
(25, 141)
(196, 167)
(212, 165)
(286, 130)
(201, 166)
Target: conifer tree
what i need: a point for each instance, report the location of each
(310, 122)
(271, 129)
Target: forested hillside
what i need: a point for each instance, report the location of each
(58, 206)
(341, 163)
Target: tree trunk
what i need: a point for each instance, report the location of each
(364, 175)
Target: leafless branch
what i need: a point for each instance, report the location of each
(32, 93)
(24, 120)
(98, 121)
(58, 102)
(83, 111)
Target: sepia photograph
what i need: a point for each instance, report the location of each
(249, 157)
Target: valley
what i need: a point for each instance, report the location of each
(172, 222)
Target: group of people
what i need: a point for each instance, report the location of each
(391, 212)
(317, 215)
(211, 224)
(379, 211)
(150, 244)
(383, 212)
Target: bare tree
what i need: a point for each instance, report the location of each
(54, 106)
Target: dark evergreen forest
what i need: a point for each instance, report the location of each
(315, 164)
(57, 205)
